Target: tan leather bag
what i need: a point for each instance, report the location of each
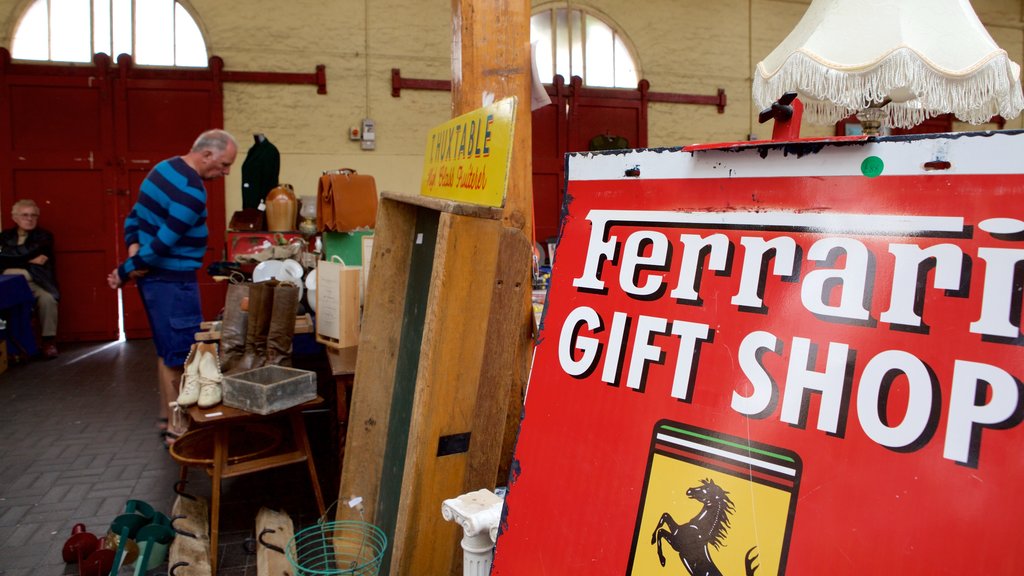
(346, 201)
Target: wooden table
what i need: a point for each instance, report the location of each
(221, 463)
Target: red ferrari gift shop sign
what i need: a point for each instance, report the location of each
(799, 359)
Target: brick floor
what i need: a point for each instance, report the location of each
(78, 439)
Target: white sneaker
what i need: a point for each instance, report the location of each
(188, 392)
(210, 379)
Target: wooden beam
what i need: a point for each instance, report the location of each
(442, 205)
(492, 40)
(446, 309)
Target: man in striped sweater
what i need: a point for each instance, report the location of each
(166, 235)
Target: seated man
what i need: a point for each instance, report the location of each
(27, 249)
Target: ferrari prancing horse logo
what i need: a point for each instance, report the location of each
(739, 497)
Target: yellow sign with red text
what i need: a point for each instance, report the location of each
(467, 158)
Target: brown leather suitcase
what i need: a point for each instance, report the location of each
(346, 201)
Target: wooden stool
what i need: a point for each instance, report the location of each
(209, 444)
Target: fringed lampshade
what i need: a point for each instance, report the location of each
(906, 59)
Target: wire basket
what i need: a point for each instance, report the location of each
(346, 547)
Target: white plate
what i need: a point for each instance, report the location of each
(281, 270)
(266, 270)
(291, 272)
(292, 267)
(311, 290)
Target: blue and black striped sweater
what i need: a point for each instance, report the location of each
(168, 221)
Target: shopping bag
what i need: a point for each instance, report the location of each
(345, 245)
(337, 304)
(346, 201)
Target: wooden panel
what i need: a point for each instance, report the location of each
(499, 373)
(606, 112)
(446, 393)
(597, 120)
(443, 287)
(273, 528)
(493, 44)
(396, 480)
(379, 340)
(442, 205)
(548, 146)
(547, 204)
(73, 206)
(136, 325)
(49, 118)
(62, 121)
(88, 307)
(155, 121)
(165, 119)
(544, 134)
(59, 156)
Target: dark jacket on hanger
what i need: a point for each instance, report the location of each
(260, 171)
(38, 242)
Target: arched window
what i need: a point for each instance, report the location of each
(575, 42)
(153, 32)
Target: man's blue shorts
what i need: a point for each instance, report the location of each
(171, 300)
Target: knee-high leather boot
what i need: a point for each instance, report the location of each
(233, 329)
(282, 325)
(261, 302)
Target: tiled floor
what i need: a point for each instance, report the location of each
(78, 439)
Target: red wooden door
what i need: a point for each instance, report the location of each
(550, 143)
(79, 140)
(576, 116)
(56, 152)
(616, 113)
(159, 117)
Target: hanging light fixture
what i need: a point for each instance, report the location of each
(891, 62)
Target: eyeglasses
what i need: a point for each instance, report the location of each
(27, 215)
